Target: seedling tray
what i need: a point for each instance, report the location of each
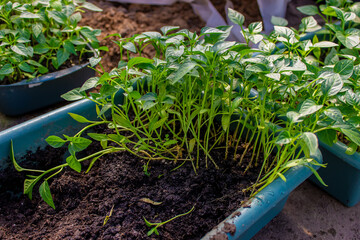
(247, 220)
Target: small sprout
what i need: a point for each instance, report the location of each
(108, 216)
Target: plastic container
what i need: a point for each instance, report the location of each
(247, 220)
(26, 96)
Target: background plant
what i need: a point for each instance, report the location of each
(40, 36)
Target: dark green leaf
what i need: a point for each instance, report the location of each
(74, 163)
(26, 67)
(353, 134)
(328, 136)
(344, 68)
(78, 144)
(138, 60)
(6, 69)
(61, 56)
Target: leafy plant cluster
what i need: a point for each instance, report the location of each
(39, 36)
(324, 73)
(201, 92)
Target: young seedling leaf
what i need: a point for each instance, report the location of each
(45, 194)
(74, 163)
(148, 223)
(147, 200)
(325, 44)
(281, 176)
(89, 84)
(73, 95)
(279, 21)
(78, 144)
(351, 149)
(98, 136)
(79, 118)
(12, 157)
(90, 6)
(55, 141)
(225, 122)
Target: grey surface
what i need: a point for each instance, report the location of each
(310, 213)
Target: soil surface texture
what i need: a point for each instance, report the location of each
(118, 182)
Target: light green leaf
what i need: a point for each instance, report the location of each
(20, 49)
(225, 122)
(325, 44)
(310, 141)
(130, 46)
(29, 15)
(73, 95)
(279, 21)
(94, 61)
(351, 149)
(79, 118)
(349, 41)
(12, 157)
(89, 84)
(45, 194)
(55, 141)
(353, 134)
(166, 29)
(37, 29)
(90, 6)
(98, 136)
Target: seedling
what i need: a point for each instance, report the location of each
(155, 226)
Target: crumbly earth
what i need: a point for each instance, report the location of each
(118, 182)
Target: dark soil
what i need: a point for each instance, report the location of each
(117, 181)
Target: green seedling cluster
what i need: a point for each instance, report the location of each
(201, 92)
(40, 36)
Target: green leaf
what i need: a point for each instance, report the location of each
(89, 84)
(6, 69)
(94, 61)
(308, 107)
(61, 56)
(79, 118)
(283, 138)
(349, 41)
(59, 17)
(353, 134)
(344, 68)
(181, 72)
(20, 49)
(225, 122)
(98, 136)
(279, 21)
(332, 85)
(169, 142)
(12, 157)
(311, 142)
(130, 46)
(147, 222)
(310, 10)
(211, 30)
(45, 194)
(90, 6)
(351, 149)
(122, 121)
(334, 113)
(78, 144)
(138, 60)
(73, 95)
(74, 163)
(236, 17)
(37, 29)
(29, 15)
(26, 67)
(166, 29)
(325, 44)
(327, 136)
(281, 176)
(69, 47)
(55, 141)
(151, 96)
(158, 124)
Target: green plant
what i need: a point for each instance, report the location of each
(324, 73)
(40, 36)
(155, 226)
